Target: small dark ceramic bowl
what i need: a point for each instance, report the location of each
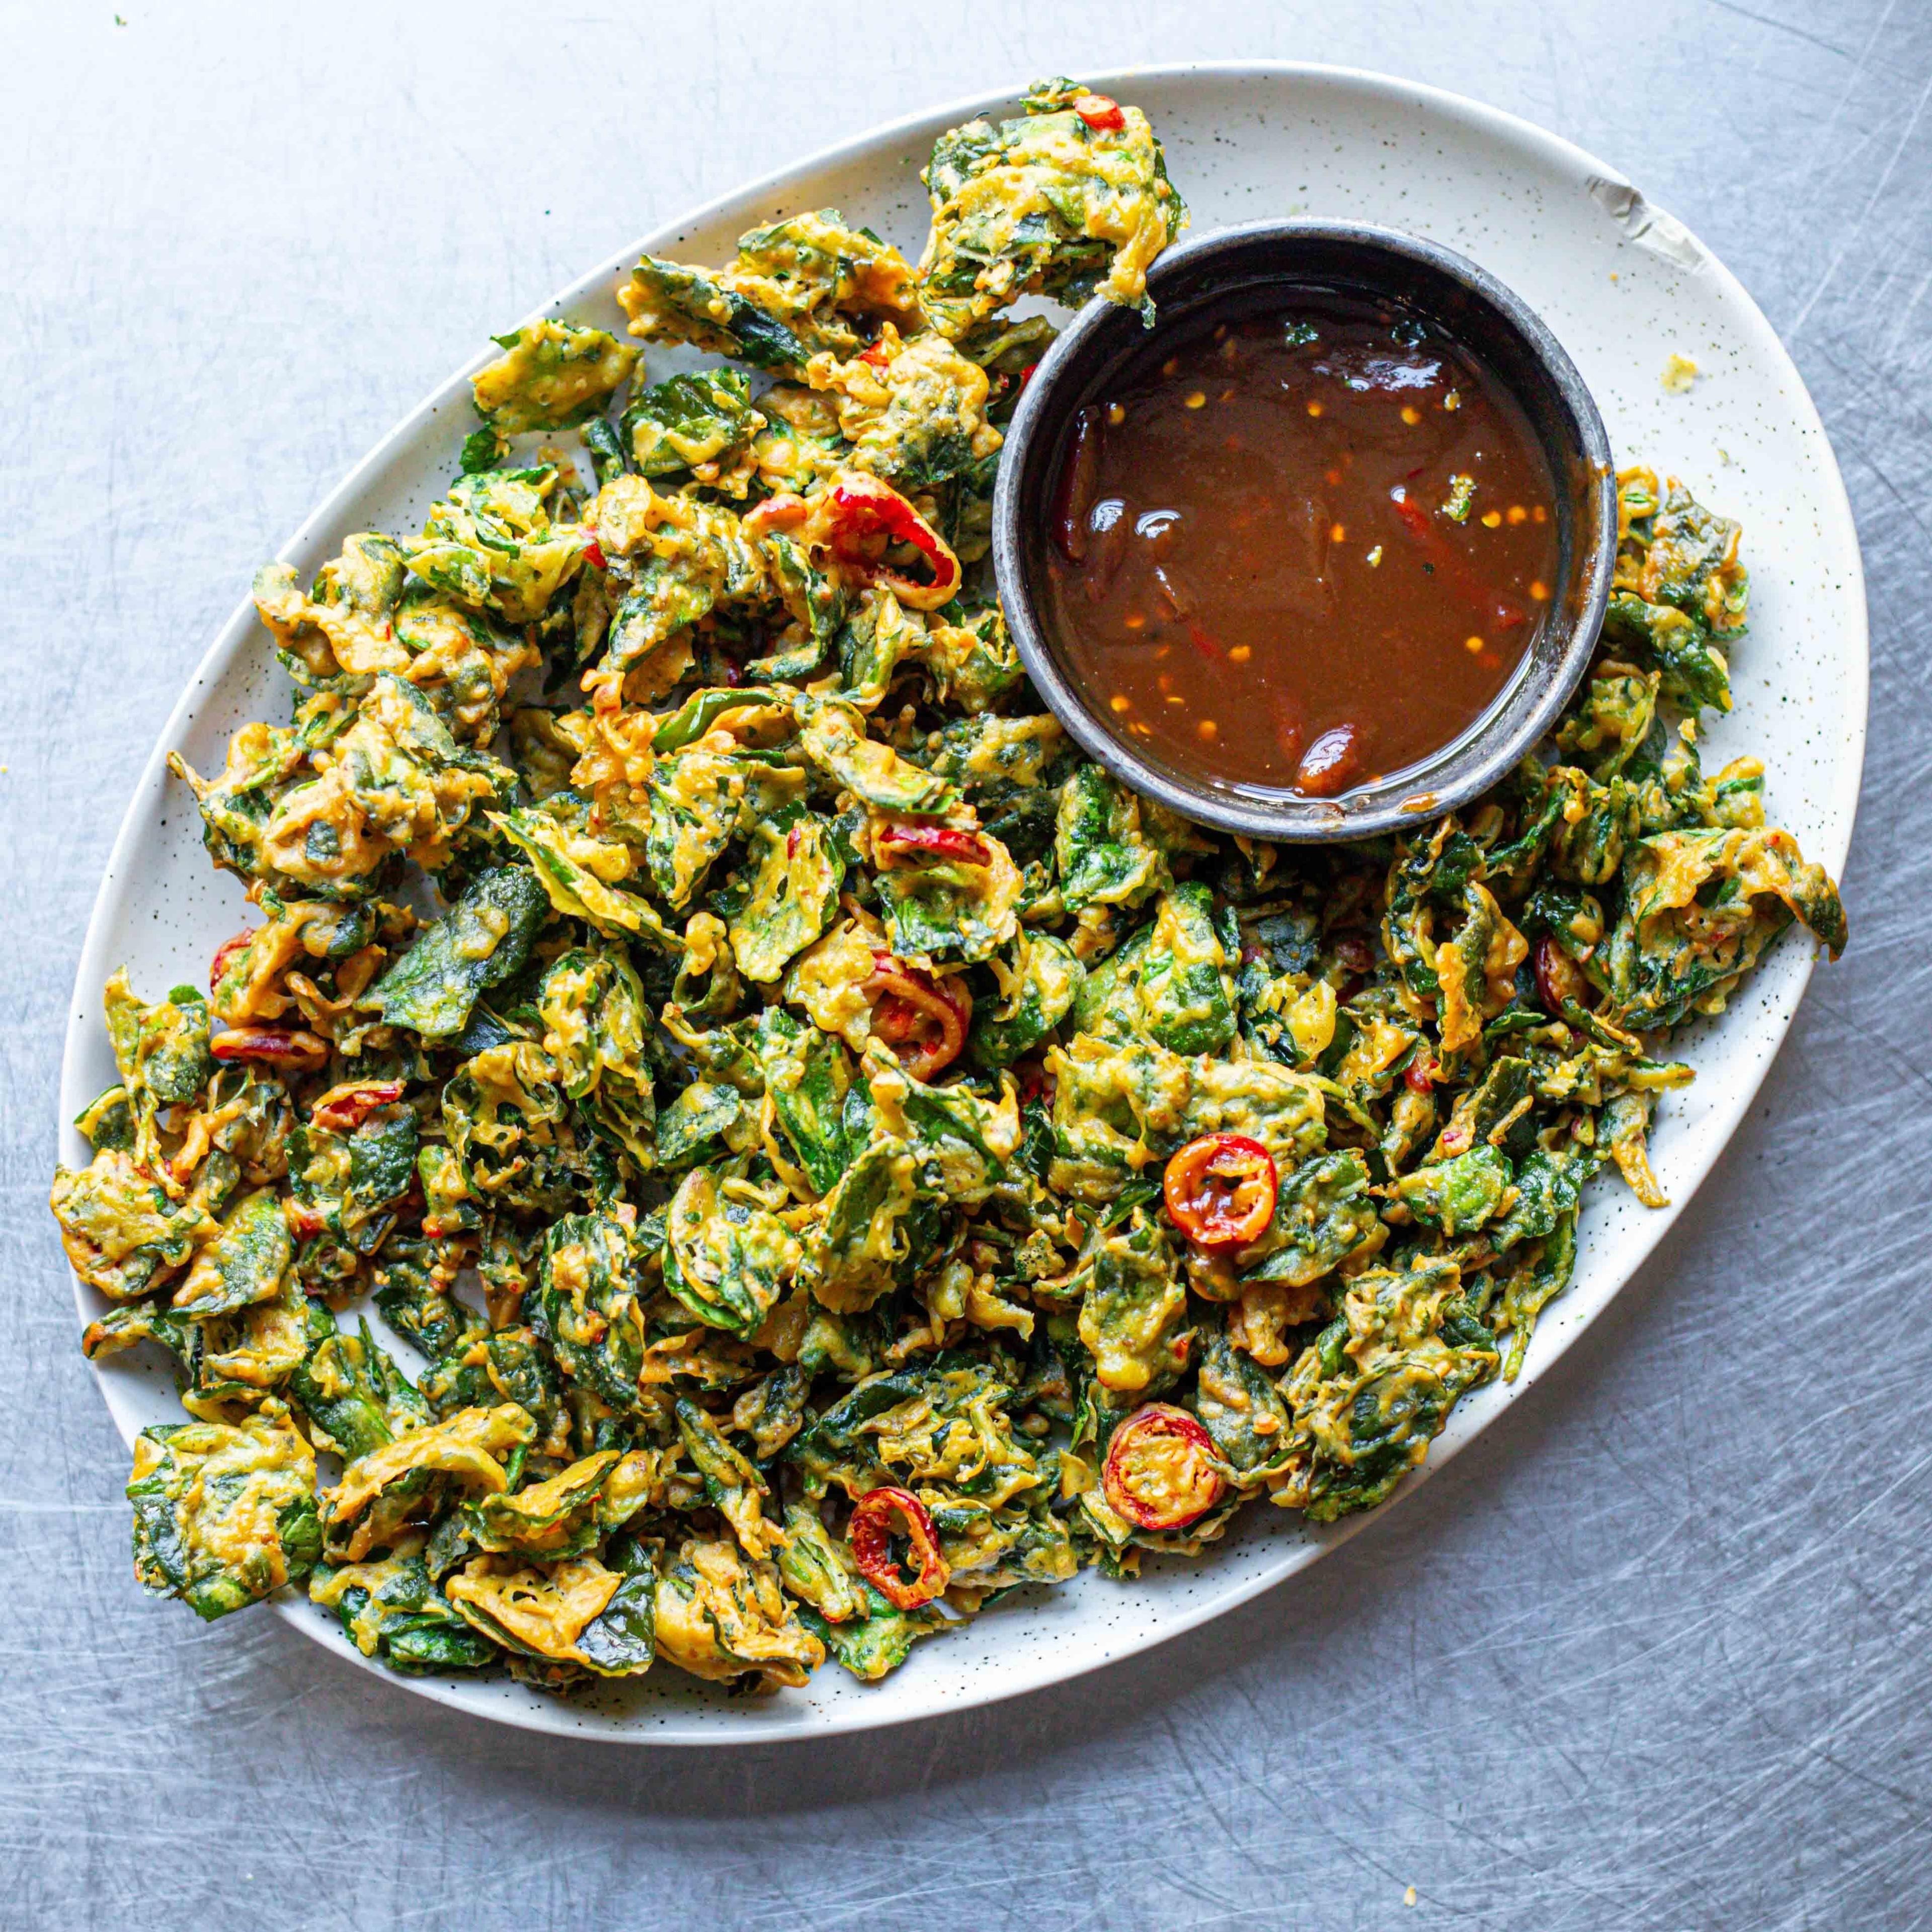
(1475, 309)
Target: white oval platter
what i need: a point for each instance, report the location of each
(1624, 285)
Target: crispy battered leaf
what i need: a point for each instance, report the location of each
(551, 375)
(1324, 1214)
(727, 1256)
(392, 1609)
(1044, 205)
(587, 1300)
(700, 418)
(483, 940)
(786, 896)
(245, 1261)
(1039, 984)
(1369, 1396)
(121, 1232)
(223, 1515)
(807, 1075)
(1104, 856)
(875, 1644)
(351, 1390)
(720, 1616)
(1132, 1302)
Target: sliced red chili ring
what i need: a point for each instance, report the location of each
(225, 952)
(342, 1109)
(938, 841)
(594, 551)
(875, 355)
(290, 1049)
(866, 516)
(922, 1019)
(1160, 1471)
(1073, 489)
(1437, 548)
(1419, 1075)
(304, 1222)
(872, 1533)
(1220, 1190)
(1103, 114)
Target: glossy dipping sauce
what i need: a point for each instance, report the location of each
(1301, 546)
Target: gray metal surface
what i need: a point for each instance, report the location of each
(1652, 1654)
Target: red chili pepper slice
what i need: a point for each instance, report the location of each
(1220, 1190)
(1353, 951)
(1437, 548)
(1104, 115)
(872, 1545)
(1073, 488)
(289, 1049)
(1331, 762)
(224, 953)
(1203, 640)
(1035, 1083)
(342, 1109)
(594, 550)
(304, 1222)
(923, 1019)
(1419, 1075)
(869, 514)
(1559, 977)
(1159, 1472)
(875, 355)
(936, 842)
(1026, 374)
(784, 512)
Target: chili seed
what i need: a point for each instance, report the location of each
(1120, 701)
(1133, 620)
(1116, 414)
(1539, 591)
(1337, 533)
(1240, 653)
(1469, 644)
(1492, 519)
(1206, 728)
(1517, 513)
(1315, 409)
(1410, 414)
(1197, 399)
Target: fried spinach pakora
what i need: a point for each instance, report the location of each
(837, 1156)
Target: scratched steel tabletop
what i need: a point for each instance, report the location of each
(1652, 1654)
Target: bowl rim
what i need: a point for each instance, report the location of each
(1469, 764)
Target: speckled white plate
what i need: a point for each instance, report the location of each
(1622, 284)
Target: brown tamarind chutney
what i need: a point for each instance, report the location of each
(1301, 543)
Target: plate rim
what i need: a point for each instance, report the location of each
(701, 1727)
